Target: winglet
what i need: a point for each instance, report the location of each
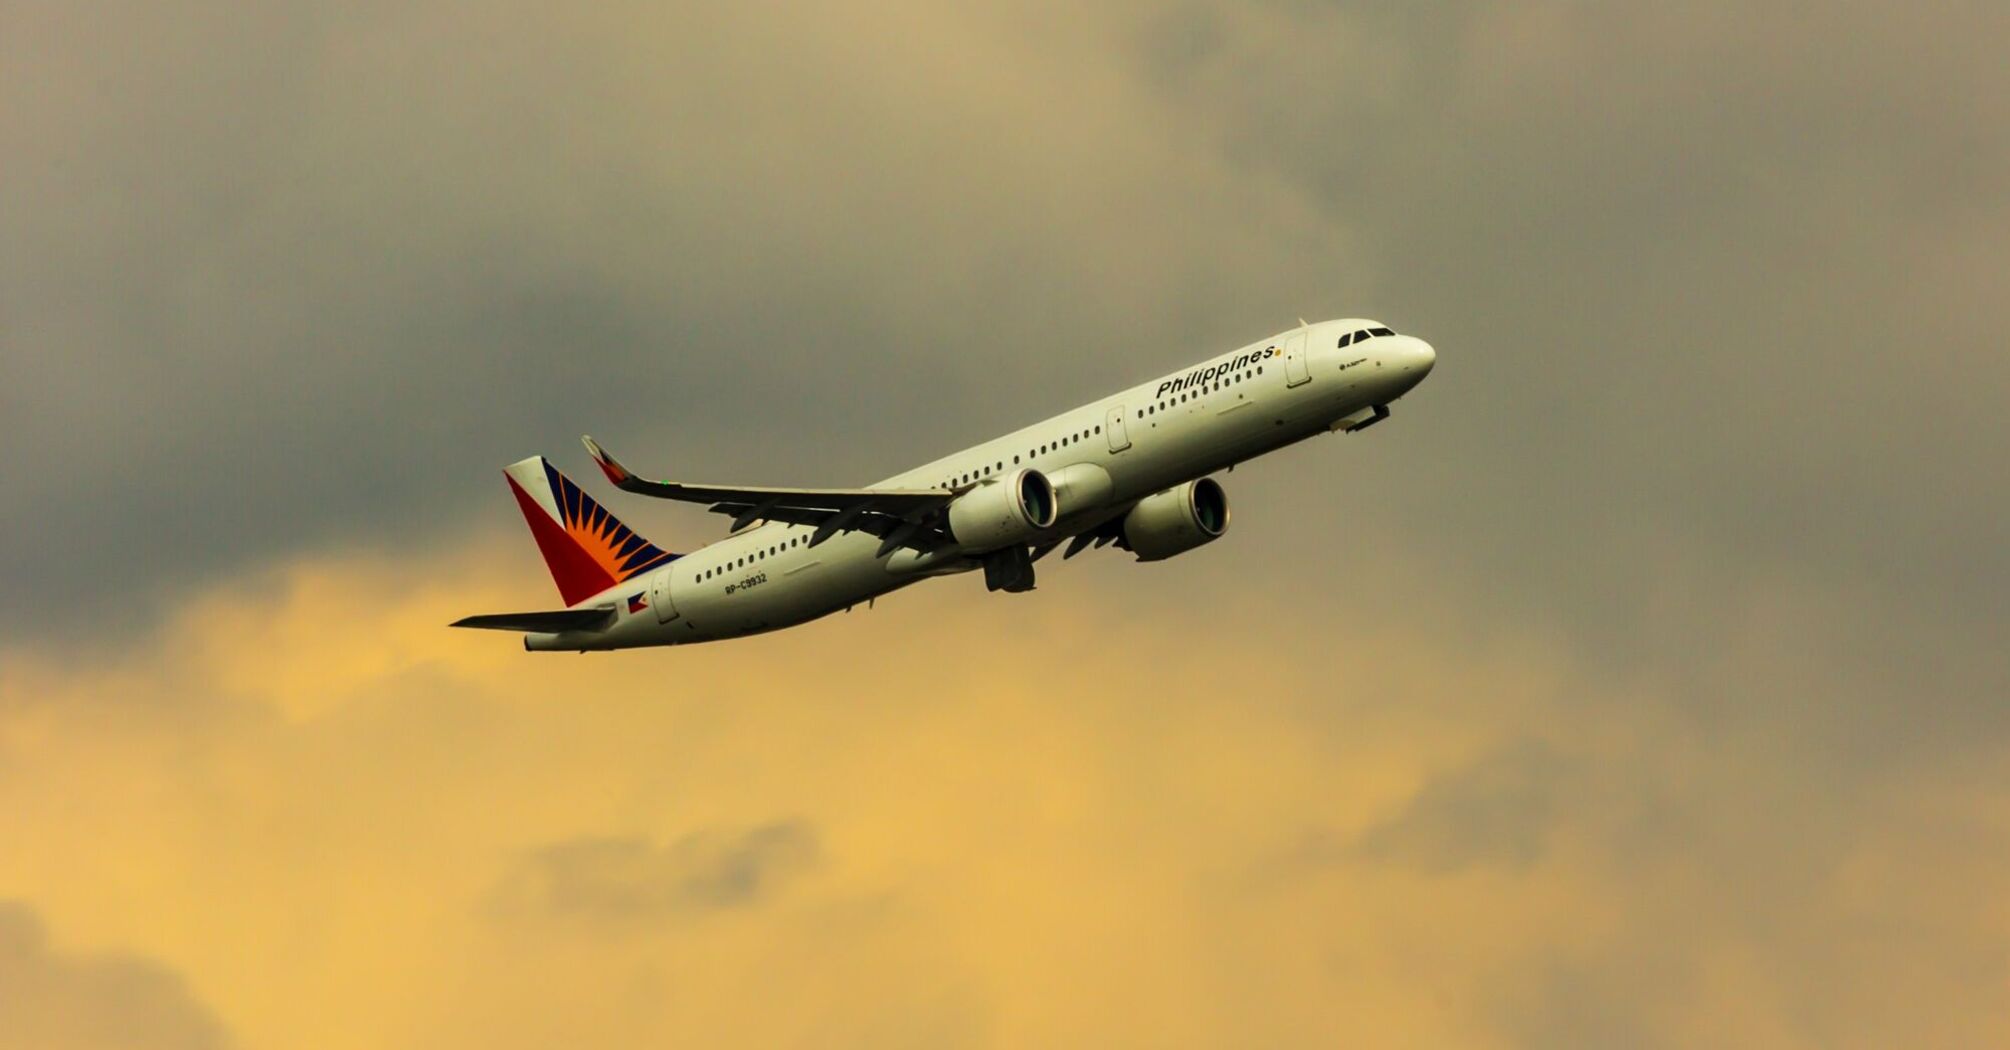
(615, 472)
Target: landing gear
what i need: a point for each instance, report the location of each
(1009, 570)
(1361, 420)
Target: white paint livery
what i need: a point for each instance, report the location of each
(1130, 470)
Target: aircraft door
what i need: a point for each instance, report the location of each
(1295, 371)
(1113, 426)
(659, 594)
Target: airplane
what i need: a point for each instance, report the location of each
(1130, 471)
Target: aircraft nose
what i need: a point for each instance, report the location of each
(1419, 357)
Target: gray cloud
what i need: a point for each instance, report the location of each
(1711, 285)
(631, 878)
(1498, 810)
(287, 280)
(51, 1000)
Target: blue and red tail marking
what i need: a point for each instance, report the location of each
(586, 548)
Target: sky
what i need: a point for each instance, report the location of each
(1644, 681)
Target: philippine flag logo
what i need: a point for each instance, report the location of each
(638, 602)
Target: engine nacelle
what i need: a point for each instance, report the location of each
(999, 513)
(1177, 520)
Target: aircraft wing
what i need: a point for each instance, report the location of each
(900, 517)
(541, 622)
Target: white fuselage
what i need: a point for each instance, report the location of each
(1109, 453)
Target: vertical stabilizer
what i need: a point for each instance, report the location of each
(587, 549)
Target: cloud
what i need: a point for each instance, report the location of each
(304, 791)
(1499, 809)
(51, 1000)
(270, 252)
(1642, 679)
(630, 879)
(276, 224)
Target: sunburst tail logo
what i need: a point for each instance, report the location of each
(586, 548)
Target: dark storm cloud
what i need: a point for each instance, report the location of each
(1709, 283)
(1712, 286)
(276, 278)
(629, 878)
(51, 1000)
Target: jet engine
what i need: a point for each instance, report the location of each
(1177, 520)
(1003, 512)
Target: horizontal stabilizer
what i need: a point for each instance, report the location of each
(541, 622)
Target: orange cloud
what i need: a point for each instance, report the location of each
(948, 820)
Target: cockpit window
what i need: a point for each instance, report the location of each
(1363, 334)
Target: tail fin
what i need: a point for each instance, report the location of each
(585, 547)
